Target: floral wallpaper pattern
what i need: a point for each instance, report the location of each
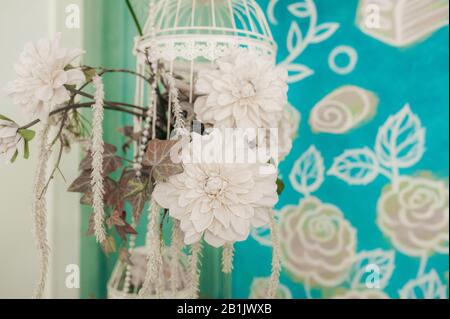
(365, 210)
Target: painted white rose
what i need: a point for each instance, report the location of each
(318, 245)
(43, 72)
(260, 286)
(219, 200)
(362, 294)
(245, 90)
(12, 143)
(416, 216)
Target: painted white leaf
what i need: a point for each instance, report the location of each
(299, 9)
(324, 31)
(428, 286)
(373, 267)
(401, 140)
(294, 36)
(262, 234)
(356, 167)
(271, 12)
(298, 72)
(401, 23)
(308, 172)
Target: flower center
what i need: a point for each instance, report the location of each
(247, 90)
(214, 185)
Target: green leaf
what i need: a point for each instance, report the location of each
(26, 151)
(134, 187)
(28, 135)
(13, 159)
(4, 118)
(280, 186)
(89, 73)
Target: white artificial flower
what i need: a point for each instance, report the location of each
(42, 75)
(219, 200)
(245, 90)
(11, 142)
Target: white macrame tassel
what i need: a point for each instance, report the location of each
(97, 149)
(276, 261)
(176, 107)
(227, 258)
(176, 247)
(195, 269)
(154, 258)
(39, 212)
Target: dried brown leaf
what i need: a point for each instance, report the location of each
(163, 158)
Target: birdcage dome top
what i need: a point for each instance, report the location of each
(206, 29)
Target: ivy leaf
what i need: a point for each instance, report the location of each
(86, 199)
(111, 162)
(116, 219)
(112, 197)
(138, 203)
(82, 184)
(160, 157)
(133, 187)
(135, 190)
(90, 231)
(109, 245)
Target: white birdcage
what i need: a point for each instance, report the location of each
(184, 36)
(187, 34)
(137, 273)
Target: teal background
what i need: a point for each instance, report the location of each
(417, 75)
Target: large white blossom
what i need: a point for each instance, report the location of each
(43, 72)
(219, 200)
(244, 90)
(11, 142)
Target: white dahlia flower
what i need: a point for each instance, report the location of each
(245, 90)
(220, 201)
(11, 142)
(42, 75)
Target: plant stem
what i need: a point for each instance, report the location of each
(102, 71)
(81, 93)
(422, 265)
(135, 19)
(83, 105)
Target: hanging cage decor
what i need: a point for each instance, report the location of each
(209, 105)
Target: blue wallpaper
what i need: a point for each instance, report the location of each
(371, 218)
